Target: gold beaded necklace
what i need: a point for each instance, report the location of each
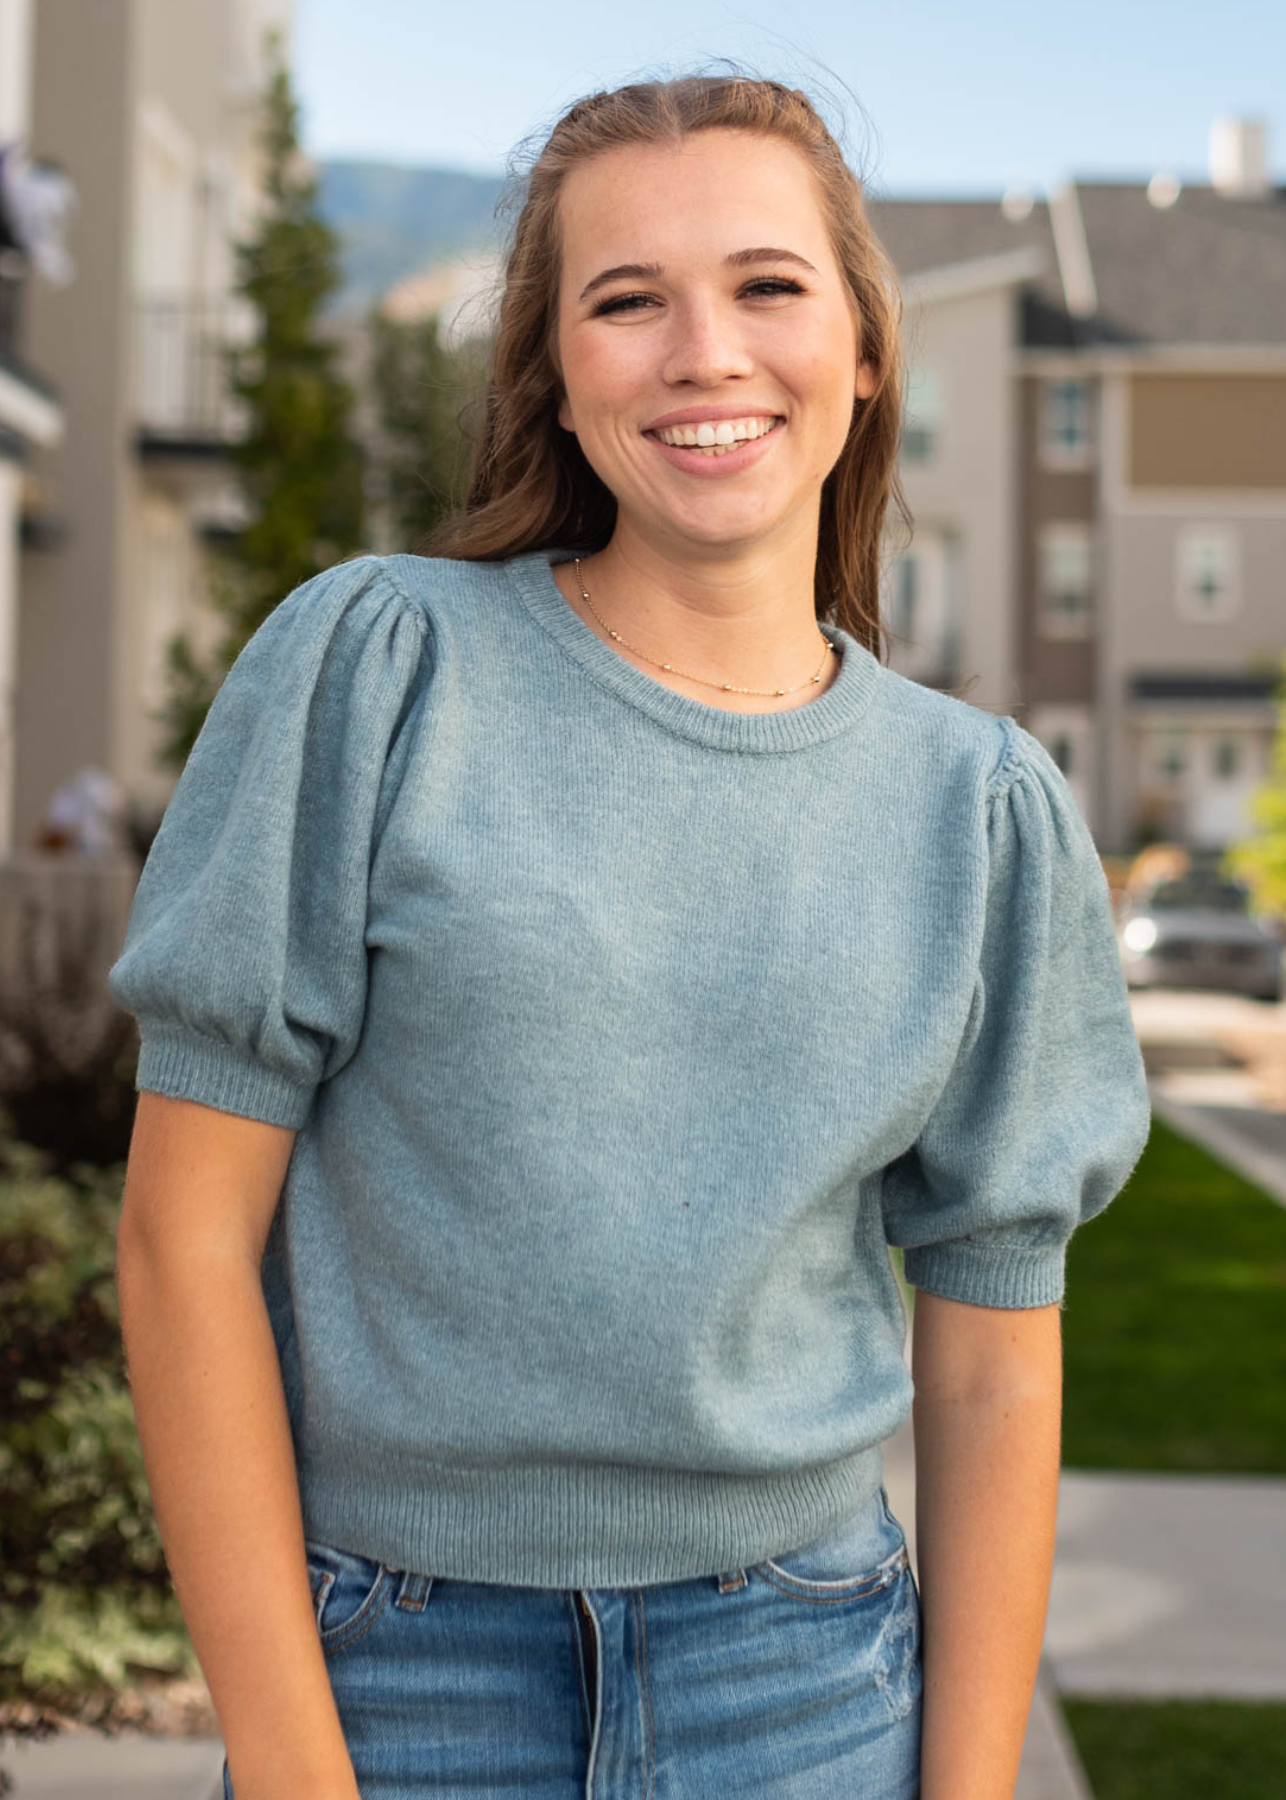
(727, 686)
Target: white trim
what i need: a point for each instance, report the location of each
(1212, 359)
(1113, 441)
(1215, 715)
(17, 50)
(951, 281)
(31, 414)
(1072, 247)
(1267, 503)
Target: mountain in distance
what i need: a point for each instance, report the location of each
(396, 221)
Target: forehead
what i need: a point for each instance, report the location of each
(714, 191)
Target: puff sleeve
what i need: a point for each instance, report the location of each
(244, 959)
(1046, 1109)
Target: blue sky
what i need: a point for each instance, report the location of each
(931, 96)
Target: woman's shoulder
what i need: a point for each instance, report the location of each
(950, 739)
(441, 585)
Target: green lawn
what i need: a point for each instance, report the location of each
(1174, 1341)
(1174, 1346)
(1174, 1329)
(1181, 1749)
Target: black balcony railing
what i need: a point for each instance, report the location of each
(182, 395)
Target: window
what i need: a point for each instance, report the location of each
(923, 415)
(1066, 579)
(1206, 572)
(1171, 755)
(1223, 758)
(1067, 433)
(905, 596)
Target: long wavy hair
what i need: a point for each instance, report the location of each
(530, 486)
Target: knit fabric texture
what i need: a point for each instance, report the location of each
(621, 1035)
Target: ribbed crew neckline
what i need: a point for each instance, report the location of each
(843, 703)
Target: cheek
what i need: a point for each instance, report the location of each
(825, 363)
(604, 373)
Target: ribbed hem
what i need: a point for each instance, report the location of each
(989, 1274)
(188, 1067)
(568, 1525)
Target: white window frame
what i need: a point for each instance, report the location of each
(1193, 544)
(1055, 451)
(922, 423)
(1055, 537)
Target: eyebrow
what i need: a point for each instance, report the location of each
(738, 259)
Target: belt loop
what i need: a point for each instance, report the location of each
(730, 1583)
(413, 1591)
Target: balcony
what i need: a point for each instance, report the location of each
(183, 409)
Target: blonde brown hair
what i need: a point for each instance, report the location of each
(531, 487)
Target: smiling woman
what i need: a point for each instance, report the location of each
(617, 957)
(696, 253)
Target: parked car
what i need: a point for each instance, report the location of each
(1194, 928)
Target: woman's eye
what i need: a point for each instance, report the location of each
(770, 284)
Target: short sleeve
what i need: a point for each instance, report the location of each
(1046, 1109)
(244, 959)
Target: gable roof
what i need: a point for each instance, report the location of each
(1208, 269)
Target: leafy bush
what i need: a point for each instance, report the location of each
(86, 1600)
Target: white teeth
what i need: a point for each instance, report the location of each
(714, 439)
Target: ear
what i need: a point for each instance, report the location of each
(867, 379)
(565, 415)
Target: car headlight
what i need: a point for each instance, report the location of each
(1139, 935)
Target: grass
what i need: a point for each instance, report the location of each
(1174, 1348)
(1182, 1749)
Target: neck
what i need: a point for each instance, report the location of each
(743, 617)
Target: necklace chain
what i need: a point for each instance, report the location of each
(726, 686)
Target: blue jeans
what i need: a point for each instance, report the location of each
(799, 1678)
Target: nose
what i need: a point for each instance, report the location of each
(705, 347)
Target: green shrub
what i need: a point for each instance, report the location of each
(86, 1600)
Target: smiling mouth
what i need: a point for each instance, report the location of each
(712, 451)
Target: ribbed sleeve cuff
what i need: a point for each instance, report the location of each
(989, 1274)
(187, 1067)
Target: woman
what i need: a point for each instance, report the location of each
(568, 961)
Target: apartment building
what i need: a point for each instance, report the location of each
(31, 410)
(1095, 451)
(153, 109)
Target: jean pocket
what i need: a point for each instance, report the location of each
(863, 1555)
(349, 1591)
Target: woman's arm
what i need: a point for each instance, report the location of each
(987, 1418)
(201, 1188)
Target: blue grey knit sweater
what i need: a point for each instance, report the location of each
(622, 1035)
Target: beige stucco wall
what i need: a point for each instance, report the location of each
(969, 488)
(145, 102)
(83, 95)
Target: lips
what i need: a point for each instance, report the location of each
(706, 465)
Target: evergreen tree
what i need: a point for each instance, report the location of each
(422, 389)
(299, 467)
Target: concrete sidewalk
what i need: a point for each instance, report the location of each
(80, 1764)
(1163, 1586)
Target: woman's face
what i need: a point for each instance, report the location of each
(771, 336)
